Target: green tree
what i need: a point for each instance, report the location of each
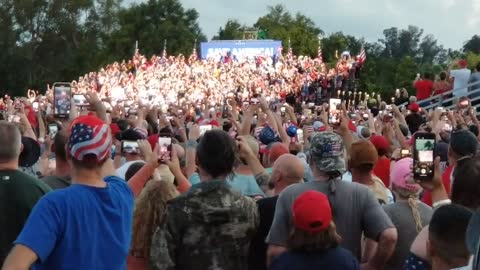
(52, 40)
(472, 45)
(302, 32)
(473, 59)
(150, 24)
(339, 42)
(232, 30)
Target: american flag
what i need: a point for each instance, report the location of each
(362, 57)
(89, 136)
(320, 56)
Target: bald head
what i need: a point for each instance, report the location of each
(290, 168)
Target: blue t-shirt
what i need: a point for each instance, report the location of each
(334, 258)
(81, 227)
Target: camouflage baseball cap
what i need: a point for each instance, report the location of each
(327, 151)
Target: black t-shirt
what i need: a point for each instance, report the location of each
(258, 248)
(19, 192)
(414, 121)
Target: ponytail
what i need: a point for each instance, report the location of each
(412, 202)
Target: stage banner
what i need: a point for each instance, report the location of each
(240, 49)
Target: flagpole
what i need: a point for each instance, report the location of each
(164, 53)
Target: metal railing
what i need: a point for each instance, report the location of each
(449, 103)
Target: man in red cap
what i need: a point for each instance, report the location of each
(414, 119)
(382, 166)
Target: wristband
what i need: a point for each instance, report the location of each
(192, 144)
(441, 203)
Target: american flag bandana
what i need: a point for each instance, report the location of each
(89, 136)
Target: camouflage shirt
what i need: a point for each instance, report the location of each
(208, 228)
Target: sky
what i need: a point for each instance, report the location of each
(452, 22)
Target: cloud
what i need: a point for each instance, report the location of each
(474, 18)
(452, 22)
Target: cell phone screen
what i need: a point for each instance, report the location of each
(62, 97)
(205, 128)
(423, 164)
(164, 148)
(334, 110)
(80, 100)
(130, 147)
(52, 130)
(404, 153)
(300, 135)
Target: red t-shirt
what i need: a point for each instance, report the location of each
(424, 89)
(382, 170)
(427, 197)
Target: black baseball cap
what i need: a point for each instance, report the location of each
(463, 143)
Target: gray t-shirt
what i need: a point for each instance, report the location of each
(355, 210)
(402, 217)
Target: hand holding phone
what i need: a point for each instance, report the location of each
(52, 130)
(334, 111)
(164, 149)
(423, 156)
(300, 135)
(62, 95)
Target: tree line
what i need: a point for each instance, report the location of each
(44, 41)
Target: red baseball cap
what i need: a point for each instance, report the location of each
(380, 142)
(89, 137)
(312, 212)
(414, 107)
(276, 150)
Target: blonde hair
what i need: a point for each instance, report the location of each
(148, 214)
(412, 199)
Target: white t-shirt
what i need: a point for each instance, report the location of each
(461, 80)
(124, 168)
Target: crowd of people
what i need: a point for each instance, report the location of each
(169, 163)
(458, 78)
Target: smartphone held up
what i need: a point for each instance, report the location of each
(334, 111)
(423, 158)
(164, 148)
(62, 99)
